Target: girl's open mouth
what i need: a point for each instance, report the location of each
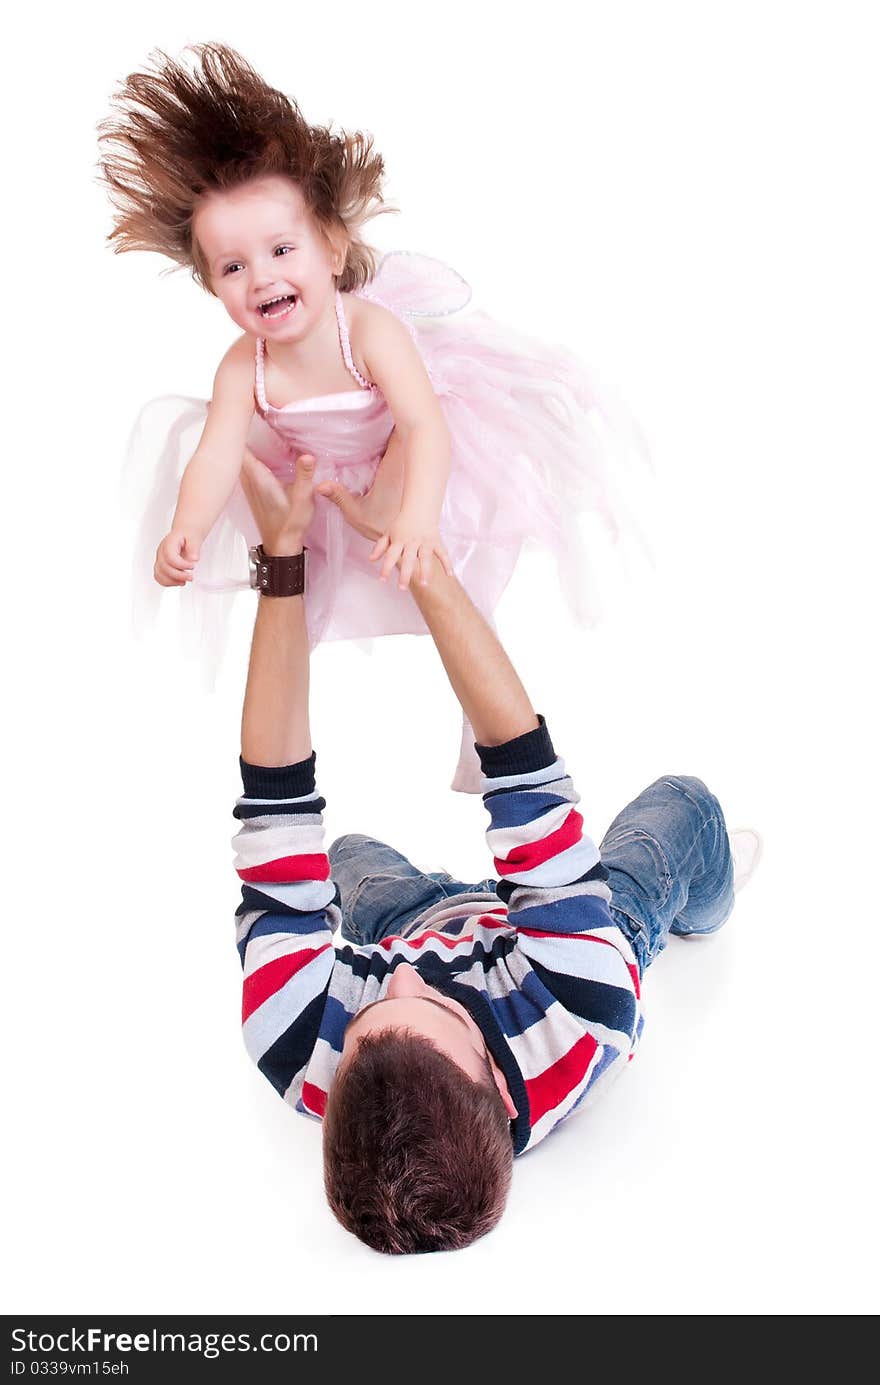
(278, 307)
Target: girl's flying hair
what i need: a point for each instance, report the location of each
(177, 134)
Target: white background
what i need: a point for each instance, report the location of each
(686, 195)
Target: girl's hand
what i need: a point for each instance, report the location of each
(412, 546)
(176, 557)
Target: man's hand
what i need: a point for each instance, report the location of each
(282, 513)
(176, 557)
(374, 515)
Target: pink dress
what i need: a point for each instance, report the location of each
(534, 445)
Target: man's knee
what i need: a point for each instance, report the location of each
(351, 841)
(695, 792)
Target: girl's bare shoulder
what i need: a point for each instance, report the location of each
(364, 315)
(235, 373)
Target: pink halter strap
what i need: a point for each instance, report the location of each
(346, 344)
(260, 375)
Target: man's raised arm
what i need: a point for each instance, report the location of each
(275, 720)
(287, 912)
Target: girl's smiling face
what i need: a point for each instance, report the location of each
(266, 258)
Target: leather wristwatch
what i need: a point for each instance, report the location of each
(277, 576)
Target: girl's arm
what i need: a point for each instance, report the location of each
(392, 361)
(213, 469)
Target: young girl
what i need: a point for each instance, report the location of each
(501, 438)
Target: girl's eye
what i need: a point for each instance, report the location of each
(230, 267)
(283, 249)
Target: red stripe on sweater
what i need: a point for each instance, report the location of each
(288, 868)
(486, 921)
(268, 979)
(551, 1086)
(533, 854)
(423, 938)
(314, 1099)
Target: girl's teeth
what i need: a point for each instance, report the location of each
(279, 307)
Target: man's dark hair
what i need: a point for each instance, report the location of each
(417, 1155)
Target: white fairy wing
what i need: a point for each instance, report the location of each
(418, 286)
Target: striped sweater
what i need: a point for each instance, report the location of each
(542, 968)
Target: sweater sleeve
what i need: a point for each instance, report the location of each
(285, 921)
(552, 880)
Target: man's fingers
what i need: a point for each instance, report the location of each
(303, 477)
(337, 494)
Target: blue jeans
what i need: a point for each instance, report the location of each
(667, 855)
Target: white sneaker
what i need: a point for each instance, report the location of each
(745, 847)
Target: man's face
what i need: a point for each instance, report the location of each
(261, 243)
(412, 1005)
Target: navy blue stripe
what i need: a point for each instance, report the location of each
(525, 788)
(522, 1008)
(609, 1053)
(282, 923)
(245, 811)
(524, 808)
(278, 781)
(522, 755)
(428, 964)
(293, 1049)
(333, 1022)
(573, 915)
(611, 1006)
(252, 899)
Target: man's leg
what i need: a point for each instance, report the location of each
(381, 891)
(669, 864)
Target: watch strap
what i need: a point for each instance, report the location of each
(280, 576)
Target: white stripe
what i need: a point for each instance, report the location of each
(267, 947)
(304, 895)
(558, 1113)
(596, 1089)
(291, 823)
(279, 1011)
(467, 908)
(577, 956)
(255, 848)
(618, 939)
(258, 802)
(503, 840)
(294, 1091)
(322, 1065)
(525, 898)
(545, 1041)
(538, 776)
(562, 869)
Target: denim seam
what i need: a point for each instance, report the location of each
(639, 834)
